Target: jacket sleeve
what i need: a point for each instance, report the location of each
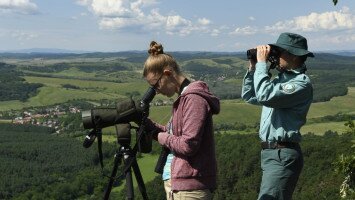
(248, 92)
(280, 95)
(151, 126)
(195, 111)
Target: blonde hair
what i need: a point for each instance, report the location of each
(158, 60)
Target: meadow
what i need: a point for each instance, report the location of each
(232, 111)
(237, 111)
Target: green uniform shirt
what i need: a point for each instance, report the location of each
(286, 100)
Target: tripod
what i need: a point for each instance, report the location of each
(101, 118)
(129, 156)
(125, 153)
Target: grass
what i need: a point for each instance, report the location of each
(146, 162)
(70, 73)
(343, 104)
(239, 132)
(146, 165)
(232, 111)
(89, 85)
(321, 128)
(75, 73)
(49, 95)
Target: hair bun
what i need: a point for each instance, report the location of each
(155, 48)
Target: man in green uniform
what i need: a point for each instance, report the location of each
(286, 100)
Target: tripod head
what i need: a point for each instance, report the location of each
(125, 112)
(123, 133)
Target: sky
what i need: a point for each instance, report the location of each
(180, 25)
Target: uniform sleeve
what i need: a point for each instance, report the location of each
(195, 112)
(248, 92)
(280, 95)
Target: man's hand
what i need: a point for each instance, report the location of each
(263, 53)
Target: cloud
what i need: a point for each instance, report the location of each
(23, 35)
(341, 40)
(248, 30)
(204, 21)
(215, 32)
(18, 6)
(83, 2)
(336, 20)
(133, 15)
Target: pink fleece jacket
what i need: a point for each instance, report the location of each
(194, 164)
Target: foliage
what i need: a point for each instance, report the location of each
(72, 122)
(323, 68)
(333, 118)
(37, 165)
(239, 172)
(345, 165)
(69, 86)
(225, 90)
(12, 85)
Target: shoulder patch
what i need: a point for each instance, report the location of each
(288, 88)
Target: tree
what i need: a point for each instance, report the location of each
(345, 165)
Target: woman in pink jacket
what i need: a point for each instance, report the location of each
(190, 169)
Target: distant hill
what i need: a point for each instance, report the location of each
(331, 74)
(44, 51)
(340, 53)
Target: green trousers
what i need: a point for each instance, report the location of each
(281, 169)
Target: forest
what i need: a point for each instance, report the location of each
(40, 165)
(13, 86)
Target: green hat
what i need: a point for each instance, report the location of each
(294, 44)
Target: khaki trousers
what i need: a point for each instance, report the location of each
(186, 195)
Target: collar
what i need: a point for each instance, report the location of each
(185, 83)
(298, 70)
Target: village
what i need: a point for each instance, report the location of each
(51, 117)
(56, 117)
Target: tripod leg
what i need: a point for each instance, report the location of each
(129, 185)
(139, 179)
(118, 157)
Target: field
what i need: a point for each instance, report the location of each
(321, 128)
(53, 95)
(146, 165)
(343, 104)
(232, 111)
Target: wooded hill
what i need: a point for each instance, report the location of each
(38, 165)
(330, 74)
